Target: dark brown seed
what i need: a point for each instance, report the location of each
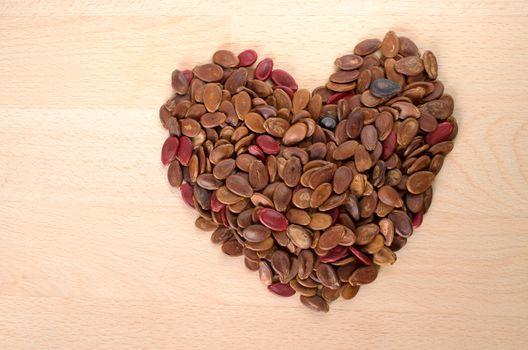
(255, 122)
(363, 275)
(390, 45)
(411, 65)
(261, 200)
(221, 235)
(365, 233)
(344, 271)
(407, 131)
(165, 116)
(390, 196)
(387, 230)
(174, 127)
(193, 168)
(212, 96)
(208, 182)
(346, 150)
(369, 137)
(375, 245)
(348, 291)
(320, 194)
(344, 76)
(408, 47)
(421, 163)
(280, 262)
(205, 224)
(300, 100)
(302, 290)
(299, 236)
(221, 152)
(362, 159)
(296, 133)
(265, 273)
(212, 120)
(431, 66)
(384, 257)
(236, 80)
(258, 175)
(252, 265)
(436, 163)
(428, 123)
(301, 198)
(256, 233)
(276, 126)
(391, 72)
(299, 217)
(332, 237)
(263, 246)
(209, 73)
(175, 174)
(195, 111)
(342, 179)
(232, 248)
(402, 223)
(202, 197)
(292, 172)
(384, 123)
(225, 58)
(354, 124)
(414, 202)
(420, 181)
(242, 105)
(180, 84)
(239, 185)
(364, 80)
(337, 87)
(349, 62)
(190, 127)
(315, 303)
(320, 221)
(367, 47)
(369, 100)
(224, 168)
(243, 161)
(282, 197)
(333, 202)
(305, 264)
(327, 275)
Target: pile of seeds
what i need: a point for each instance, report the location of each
(316, 190)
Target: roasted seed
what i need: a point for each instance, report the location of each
(209, 72)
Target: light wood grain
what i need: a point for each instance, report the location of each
(98, 252)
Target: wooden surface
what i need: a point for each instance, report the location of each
(98, 252)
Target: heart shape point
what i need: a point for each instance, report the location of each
(317, 189)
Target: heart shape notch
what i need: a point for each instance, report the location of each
(317, 190)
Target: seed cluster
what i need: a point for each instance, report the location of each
(318, 189)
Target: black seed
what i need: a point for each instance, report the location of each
(384, 88)
(328, 123)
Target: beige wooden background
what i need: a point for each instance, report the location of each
(98, 252)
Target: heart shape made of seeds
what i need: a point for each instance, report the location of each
(318, 189)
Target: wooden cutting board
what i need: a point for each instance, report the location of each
(98, 252)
